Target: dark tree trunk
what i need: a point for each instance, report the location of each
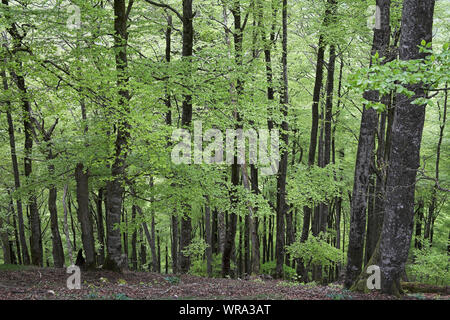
(232, 222)
(7, 258)
(208, 238)
(174, 244)
(114, 187)
(365, 158)
(419, 220)
(371, 236)
(142, 250)
(214, 232)
(58, 253)
(35, 221)
(404, 160)
(134, 259)
(374, 226)
(84, 216)
(155, 255)
(307, 211)
(282, 206)
(188, 42)
(240, 259)
(15, 165)
(100, 227)
(432, 214)
(264, 249)
(255, 260)
(151, 242)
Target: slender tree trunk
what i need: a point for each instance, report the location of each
(15, 165)
(255, 260)
(114, 187)
(282, 206)
(66, 227)
(307, 211)
(432, 215)
(58, 253)
(7, 259)
(419, 219)
(142, 251)
(100, 227)
(174, 244)
(365, 157)
(134, 258)
(155, 256)
(84, 216)
(208, 238)
(214, 232)
(188, 42)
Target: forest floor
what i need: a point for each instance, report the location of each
(33, 283)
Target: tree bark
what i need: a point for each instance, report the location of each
(15, 165)
(84, 216)
(365, 158)
(282, 206)
(188, 42)
(417, 24)
(114, 187)
(208, 238)
(134, 258)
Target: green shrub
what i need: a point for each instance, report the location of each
(199, 266)
(270, 269)
(430, 266)
(315, 251)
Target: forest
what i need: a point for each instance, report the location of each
(299, 143)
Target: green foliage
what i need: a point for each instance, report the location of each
(270, 269)
(430, 266)
(195, 249)
(395, 75)
(312, 185)
(199, 267)
(315, 251)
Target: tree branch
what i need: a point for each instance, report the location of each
(166, 6)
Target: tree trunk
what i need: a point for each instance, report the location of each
(404, 160)
(419, 219)
(84, 216)
(12, 143)
(58, 253)
(365, 157)
(155, 256)
(188, 42)
(282, 206)
(254, 224)
(174, 244)
(114, 187)
(134, 259)
(100, 227)
(208, 238)
(66, 227)
(7, 259)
